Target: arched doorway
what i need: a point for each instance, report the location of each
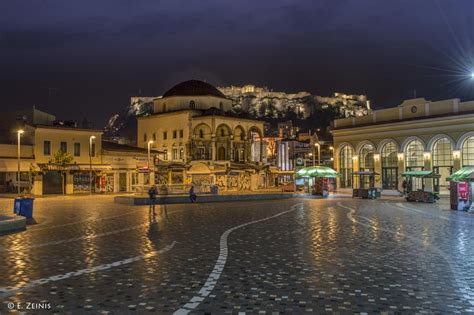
(367, 158)
(442, 155)
(221, 154)
(346, 166)
(389, 166)
(366, 161)
(255, 136)
(239, 144)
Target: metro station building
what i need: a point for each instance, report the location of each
(416, 135)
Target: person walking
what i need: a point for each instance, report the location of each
(192, 194)
(404, 187)
(152, 193)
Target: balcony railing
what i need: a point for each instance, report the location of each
(201, 156)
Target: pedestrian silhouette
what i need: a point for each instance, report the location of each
(192, 194)
(152, 193)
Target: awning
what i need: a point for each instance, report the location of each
(465, 174)
(317, 171)
(11, 165)
(76, 167)
(420, 174)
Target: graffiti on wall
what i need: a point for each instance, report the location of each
(161, 178)
(202, 180)
(232, 182)
(238, 182)
(177, 177)
(221, 181)
(244, 182)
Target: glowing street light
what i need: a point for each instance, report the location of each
(149, 149)
(19, 132)
(91, 138)
(319, 152)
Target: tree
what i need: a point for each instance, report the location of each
(271, 111)
(262, 109)
(61, 160)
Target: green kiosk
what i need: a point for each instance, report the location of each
(316, 179)
(415, 186)
(460, 188)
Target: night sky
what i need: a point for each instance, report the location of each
(85, 58)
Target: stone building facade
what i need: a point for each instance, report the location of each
(416, 135)
(200, 142)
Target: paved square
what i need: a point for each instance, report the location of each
(87, 254)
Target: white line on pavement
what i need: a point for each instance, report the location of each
(463, 285)
(82, 221)
(7, 291)
(220, 264)
(399, 205)
(75, 239)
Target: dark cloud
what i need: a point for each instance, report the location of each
(100, 52)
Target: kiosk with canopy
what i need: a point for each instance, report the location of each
(317, 180)
(461, 188)
(363, 185)
(416, 186)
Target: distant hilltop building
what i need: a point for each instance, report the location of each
(347, 104)
(264, 102)
(257, 102)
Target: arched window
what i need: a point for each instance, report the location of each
(442, 155)
(164, 107)
(345, 166)
(144, 137)
(389, 166)
(367, 158)
(414, 156)
(201, 133)
(468, 152)
(192, 104)
(222, 132)
(221, 106)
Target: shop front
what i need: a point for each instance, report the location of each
(317, 180)
(461, 188)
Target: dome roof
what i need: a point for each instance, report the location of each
(193, 88)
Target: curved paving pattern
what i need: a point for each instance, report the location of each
(335, 255)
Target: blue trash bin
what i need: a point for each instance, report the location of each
(23, 207)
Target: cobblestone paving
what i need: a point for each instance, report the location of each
(340, 255)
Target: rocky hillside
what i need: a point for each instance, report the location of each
(258, 102)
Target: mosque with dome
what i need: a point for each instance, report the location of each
(200, 142)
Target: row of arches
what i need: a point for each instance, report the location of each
(440, 149)
(238, 133)
(235, 144)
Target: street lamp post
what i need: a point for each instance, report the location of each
(91, 138)
(19, 133)
(319, 153)
(149, 149)
(331, 148)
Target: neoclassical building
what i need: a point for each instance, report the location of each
(200, 141)
(416, 135)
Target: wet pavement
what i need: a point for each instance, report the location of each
(339, 255)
